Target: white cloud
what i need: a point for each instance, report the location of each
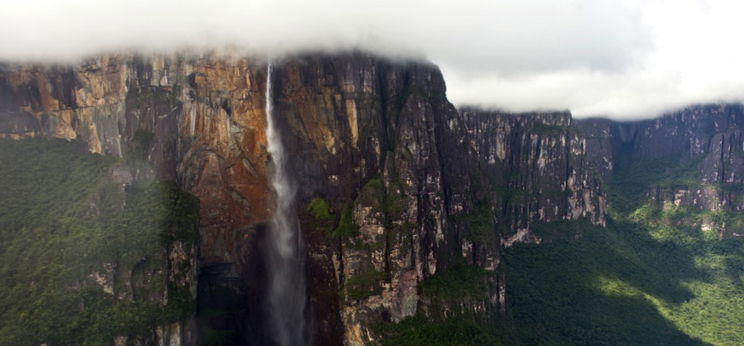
(629, 58)
(695, 58)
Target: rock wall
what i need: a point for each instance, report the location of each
(540, 167)
(378, 142)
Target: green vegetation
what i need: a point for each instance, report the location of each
(629, 283)
(650, 277)
(63, 225)
(632, 180)
(320, 210)
(458, 330)
(458, 282)
(373, 194)
(365, 284)
(450, 295)
(323, 216)
(388, 201)
(325, 219)
(479, 225)
(731, 187)
(346, 227)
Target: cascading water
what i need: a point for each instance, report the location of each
(286, 252)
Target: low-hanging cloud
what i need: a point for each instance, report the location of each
(596, 57)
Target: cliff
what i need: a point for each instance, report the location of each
(540, 165)
(690, 158)
(197, 121)
(398, 191)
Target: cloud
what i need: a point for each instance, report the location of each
(694, 58)
(617, 58)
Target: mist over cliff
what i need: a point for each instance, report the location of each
(622, 59)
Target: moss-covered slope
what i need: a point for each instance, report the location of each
(87, 251)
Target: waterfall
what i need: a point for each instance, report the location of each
(285, 250)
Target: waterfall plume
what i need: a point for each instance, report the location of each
(286, 252)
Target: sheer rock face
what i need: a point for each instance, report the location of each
(377, 140)
(541, 164)
(381, 140)
(708, 140)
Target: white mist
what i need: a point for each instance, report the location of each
(285, 250)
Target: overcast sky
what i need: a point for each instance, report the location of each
(623, 59)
